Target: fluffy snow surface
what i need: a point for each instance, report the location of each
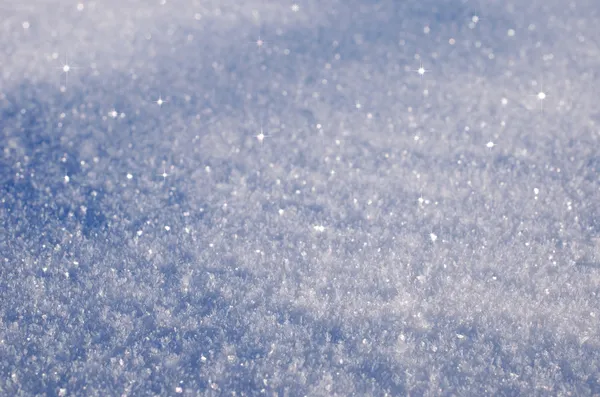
(352, 198)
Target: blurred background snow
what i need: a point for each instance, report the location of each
(314, 198)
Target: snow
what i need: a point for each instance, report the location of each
(331, 198)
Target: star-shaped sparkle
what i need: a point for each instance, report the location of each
(160, 101)
(66, 68)
(295, 7)
(261, 135)
(260, 43)
(164, 174)
(541, 96)
(421, 70)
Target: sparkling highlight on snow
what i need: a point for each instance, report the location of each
(421, 70)
(164, 174)
(261, 136)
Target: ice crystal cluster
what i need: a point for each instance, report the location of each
(320, 198)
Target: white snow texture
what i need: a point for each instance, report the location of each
(351, 198)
